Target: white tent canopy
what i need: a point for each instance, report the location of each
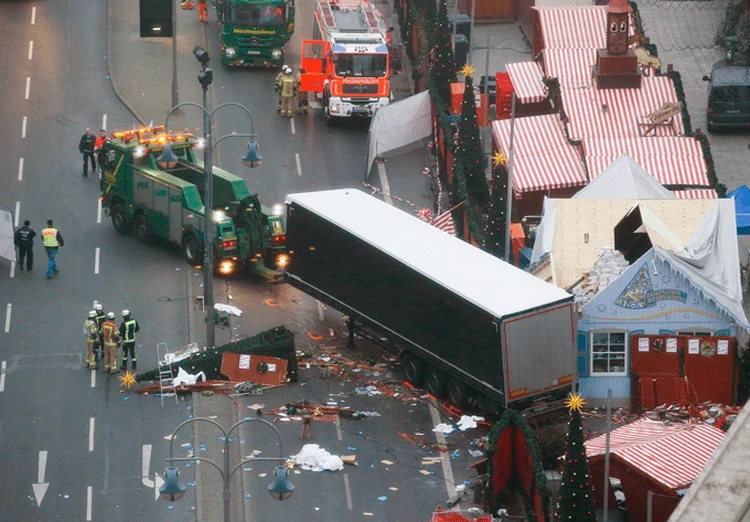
(624, 179)
(399, 125)
(7, 248)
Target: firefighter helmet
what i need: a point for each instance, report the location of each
(98, 307)
(111, 315)
(92, 313)
(125, 313)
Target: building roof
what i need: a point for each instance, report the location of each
(722, 490)
(482, 279)
(624, 178)
(527, 81)
(543, 158)
(573, 231)
(672, 455)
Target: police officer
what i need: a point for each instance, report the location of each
(52, 240)
(111, 336)
(128, 329)
(24, 240)
(86, 147)
(91, 333)
(100, 318)
(288, 89)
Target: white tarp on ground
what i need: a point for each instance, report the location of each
(399, 125)
(7, 248)
(314, 458)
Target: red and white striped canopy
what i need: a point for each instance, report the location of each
(574, 27)
(601, 113)
(527, 81)
(542, 157)
(696, 194)
(573, 67)
(673, 455)
(672, 161)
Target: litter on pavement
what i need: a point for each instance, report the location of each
(445, 429)
(185, 378)
(314, 458)
(468, 422)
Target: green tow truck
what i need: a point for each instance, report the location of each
(167, 204)
(252, 33)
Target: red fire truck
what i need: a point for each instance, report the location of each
(347, 62)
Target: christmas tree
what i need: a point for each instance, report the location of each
(442, 65)
(576, 501)
(469, 162)
(495, 234)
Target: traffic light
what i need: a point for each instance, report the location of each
(156, 18)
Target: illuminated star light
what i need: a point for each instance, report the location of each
(467, 70)
(575, 402)
(127, 380)
(498, 159)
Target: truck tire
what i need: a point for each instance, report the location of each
(192, 250)
(414, 369)
(120, 219)
(459, 394)
(143, 230)
(434, 381)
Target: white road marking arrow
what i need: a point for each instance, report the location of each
(158, 483)
(40, 488)
(145, 465)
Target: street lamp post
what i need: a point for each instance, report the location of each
(251, 159)
(172, 489)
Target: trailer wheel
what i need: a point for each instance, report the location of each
(143, 230)
(435, 381)
(459, 394)
(192, 250)
(120, 219)
(414, 369)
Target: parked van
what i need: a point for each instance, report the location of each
(728, 97)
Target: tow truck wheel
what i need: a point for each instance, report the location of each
(143, 230)
(120, 219)
(459, 394)
(414, 369)
(435, 381)
(192, 250)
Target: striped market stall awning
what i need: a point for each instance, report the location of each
(695, 194)
(673, 455)
(574, 27)
(672, 161)
(604, 113)
(573, 67)
(527, 81)
(543, 159)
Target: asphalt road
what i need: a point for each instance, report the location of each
(52, 89)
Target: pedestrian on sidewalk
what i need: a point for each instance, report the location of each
(91, 333)
(100, 318)
(288, 91)
(52, 240)
(24, 240)
(128, 329)
(101, 150)
(86, 147)
(303, 104)
(111, 336)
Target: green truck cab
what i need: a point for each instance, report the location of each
(252, 33)
(168, 205)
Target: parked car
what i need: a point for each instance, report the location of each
(728, 97)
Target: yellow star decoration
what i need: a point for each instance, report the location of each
(498, 159)
(127, 380)
(467, 70)
(575, 402)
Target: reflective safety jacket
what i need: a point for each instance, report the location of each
(90, 330)
(128, 329)
(287, 86)
(110, 333)
(49, 237)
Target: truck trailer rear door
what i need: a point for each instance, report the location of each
(315, 54)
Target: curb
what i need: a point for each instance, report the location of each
(112, 81)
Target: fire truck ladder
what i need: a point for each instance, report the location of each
(367, 9)
(326, 16)
(166, 377)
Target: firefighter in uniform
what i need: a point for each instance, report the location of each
(303, 105)
(111, 336)
(277, 84)
(287, 91)
(128, 329)
(100, 318)
(91, 333)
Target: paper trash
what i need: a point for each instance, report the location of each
(314, 458)
(186, 378)
(468, 422)
(443, 428)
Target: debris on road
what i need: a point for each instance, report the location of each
(314, 458)
(443, 428)
(185, 378)
(718, 415)
(468, 422)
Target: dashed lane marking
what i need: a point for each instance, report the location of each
(23, 127)
(93, 378)
(33, 15)
(3, 369)
(348, 491)
(28, 88)
(20, 169)
(92, 424)
(299, 163)
(18, 213)
(12, 269)
(31, 49)
(104, 122)
(96, 261)
(98, 210)
(291, 122)
(7, 317)
(89, 503)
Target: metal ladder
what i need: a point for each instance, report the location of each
(166, 383)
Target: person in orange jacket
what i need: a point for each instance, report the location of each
(202, 11)
(100, 150)
(111, 336)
